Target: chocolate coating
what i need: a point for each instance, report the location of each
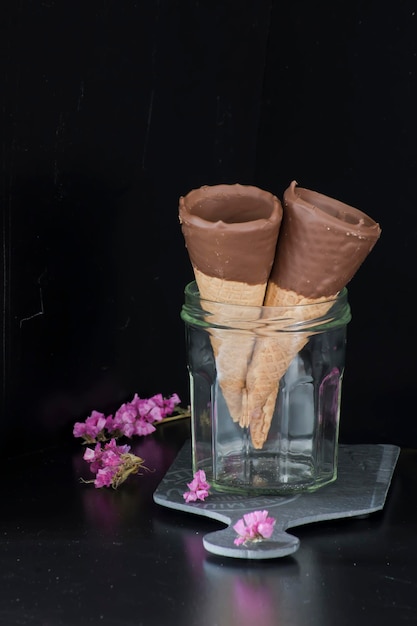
(322, 243)
(231, 231)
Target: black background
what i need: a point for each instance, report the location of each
(112, 109)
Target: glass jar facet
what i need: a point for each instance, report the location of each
(265, 388)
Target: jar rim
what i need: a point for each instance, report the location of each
(317, 317)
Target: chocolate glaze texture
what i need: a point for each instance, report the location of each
(231, 231)
(322, 243)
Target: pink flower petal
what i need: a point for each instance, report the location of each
(79, 429)
(104, 478)
(190, 496)
(89, 455)
(142, 427)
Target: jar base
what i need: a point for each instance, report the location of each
(268, 475)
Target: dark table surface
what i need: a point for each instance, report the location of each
(73, 555)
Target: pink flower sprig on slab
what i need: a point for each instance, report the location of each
(255, 526)
(198, 488)
(112, 464)
(136, 417)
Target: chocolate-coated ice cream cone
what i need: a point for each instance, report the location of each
(231, 232)
(321, 245)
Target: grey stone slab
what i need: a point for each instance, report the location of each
(364, 476)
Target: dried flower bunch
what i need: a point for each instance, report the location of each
(112, 463)
(136, 417)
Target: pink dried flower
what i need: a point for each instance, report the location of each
(156, 408)
(132, 418)
(198, 488)
(112, 464)
(143, 427)
(92, 429)
(255, 526)
(124, 420)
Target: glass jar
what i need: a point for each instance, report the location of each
(265, 390)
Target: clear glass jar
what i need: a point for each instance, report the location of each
(232, 350)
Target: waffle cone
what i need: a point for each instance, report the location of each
(232, 349)
(272, 355)
(322, 243)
